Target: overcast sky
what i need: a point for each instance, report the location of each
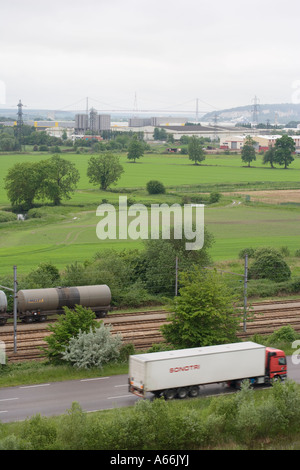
(165, 53)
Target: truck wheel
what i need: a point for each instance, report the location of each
(194, 391)
(182, 392)
(169, 394)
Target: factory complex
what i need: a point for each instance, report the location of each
(92, 125)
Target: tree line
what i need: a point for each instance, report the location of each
(280, 153)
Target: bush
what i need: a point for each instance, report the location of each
(284, 334)
(214, 197)
(46, 275)
(75, 321)
(93, 348)
(267, 288)
(39, 432)
(155, 187)
(269, 265)
(266, 250)
(36, 213)
(284, 250)
(7, 216)
(249, 251)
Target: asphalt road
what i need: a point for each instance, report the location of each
(55, 398)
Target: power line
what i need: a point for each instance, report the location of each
(117, 108)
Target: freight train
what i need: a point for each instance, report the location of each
(38, 304)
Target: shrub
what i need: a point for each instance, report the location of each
(46, 275)
(249, 251)
(284, 250)
(284, 334)
(72, 429)
(266, 250)
(155, 187)
(36, 213)
(75, 321)
(39, 432)
(214, 197)
(93, 348)
(269, 266)
(7, 216)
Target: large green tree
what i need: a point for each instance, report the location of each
(284, 147)
(60, 178)
(195, 150)
(204, 313)
(135, 149)
(104, 170)
(22, 184)
(270, 157)
(248, 150)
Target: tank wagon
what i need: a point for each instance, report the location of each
(38, 304)
(3, 302)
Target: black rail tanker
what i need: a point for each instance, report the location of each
(38, 304)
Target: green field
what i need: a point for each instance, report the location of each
(171, 171)
(69, 233)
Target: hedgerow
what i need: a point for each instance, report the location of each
(244, 420)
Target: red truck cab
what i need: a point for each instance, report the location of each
(276, 367)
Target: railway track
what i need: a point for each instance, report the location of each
(142, 328)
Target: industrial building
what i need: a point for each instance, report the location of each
(156, 121)
(263, 142)
(93, 122)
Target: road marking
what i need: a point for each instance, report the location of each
(8, 399)
(124, 385)
(120, 396)
(32, 386)
(97, 378)
(3, 411)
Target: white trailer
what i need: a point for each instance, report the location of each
(181, 372)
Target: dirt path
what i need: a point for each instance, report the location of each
(271, 197)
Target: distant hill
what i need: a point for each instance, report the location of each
(272, 113)
(37, 114)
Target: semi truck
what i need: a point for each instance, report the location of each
(180, 373)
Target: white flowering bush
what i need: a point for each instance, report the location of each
(93, 348)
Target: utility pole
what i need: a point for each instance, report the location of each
(135, 106)
(245, 276)
(215, 137)
(255, 110)
(176, 276)
(20, 124)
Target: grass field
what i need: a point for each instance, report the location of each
(171, 171)
(69, 233)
